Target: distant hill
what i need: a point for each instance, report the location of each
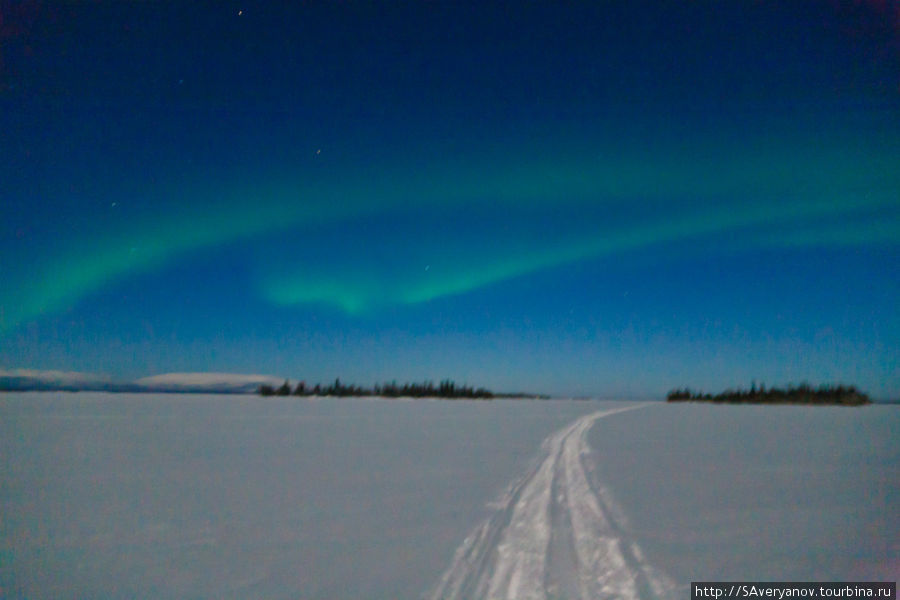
(24, 380)
(220, 383)
(70, 381)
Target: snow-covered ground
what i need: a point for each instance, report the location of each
(143, 496)
(555, 534)
(773, 493)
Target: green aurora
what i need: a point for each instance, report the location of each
(837, 191)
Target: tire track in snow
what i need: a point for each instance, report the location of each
(556, 534)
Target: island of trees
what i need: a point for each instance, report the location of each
(846, 395)
(445, 389)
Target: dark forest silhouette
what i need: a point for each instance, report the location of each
(426, 389)
(802, 394)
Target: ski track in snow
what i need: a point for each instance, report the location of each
(557, 533)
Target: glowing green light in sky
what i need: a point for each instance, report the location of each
(358, 288)
(654, 197)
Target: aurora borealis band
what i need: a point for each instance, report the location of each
(569, 199)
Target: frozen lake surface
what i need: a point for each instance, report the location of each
(147, 496)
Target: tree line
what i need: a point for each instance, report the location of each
(426, 389)
(801, 394)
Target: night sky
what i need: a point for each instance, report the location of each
(596, 198)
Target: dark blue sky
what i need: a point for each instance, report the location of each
(581, 198)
